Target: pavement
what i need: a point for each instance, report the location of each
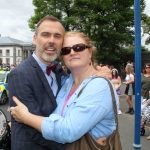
(126, 127)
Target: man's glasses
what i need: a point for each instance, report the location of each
(147, 67)
(76, 48)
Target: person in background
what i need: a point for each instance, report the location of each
(132, 63)
(116, 80)
(122, 71)
(111, 67)
(82, 98)
(129, 91)
(128, 63)
(145, 91)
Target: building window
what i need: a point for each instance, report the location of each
(0, 52)
(1, 61)
(7, 52)
(7, 60)
(18, 52)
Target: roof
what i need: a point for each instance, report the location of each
(6, 41)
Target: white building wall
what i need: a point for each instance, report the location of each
(18, 56)
(10, 48)
(4, 57)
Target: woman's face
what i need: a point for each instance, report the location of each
(76, 59)
(147, 69)
(114, 72)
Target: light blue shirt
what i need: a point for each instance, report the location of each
(91, 112)
(51, 78)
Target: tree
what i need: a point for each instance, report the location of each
(130, 49)
(146, 28)
(109, 23)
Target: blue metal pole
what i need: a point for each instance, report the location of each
(137, 119)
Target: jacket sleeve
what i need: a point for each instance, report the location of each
(20, 87)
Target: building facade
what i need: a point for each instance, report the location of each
(13, 51)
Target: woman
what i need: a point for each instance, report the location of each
(70, 120)
(116, 80)
(145, 90)
(129, 91)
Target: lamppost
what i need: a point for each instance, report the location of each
(137, 119)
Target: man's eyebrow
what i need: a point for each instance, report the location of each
(59, 34)
(45, 33)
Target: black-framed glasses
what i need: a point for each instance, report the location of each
(77, 48)
(147, 67)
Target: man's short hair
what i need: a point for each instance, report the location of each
(50, 18)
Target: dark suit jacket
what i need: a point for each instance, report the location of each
(28, 83)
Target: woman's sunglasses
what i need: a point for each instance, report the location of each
(76, 48)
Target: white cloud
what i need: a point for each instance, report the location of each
(147, 11)
(15, 14)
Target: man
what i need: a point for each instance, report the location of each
(31, 84)
(37, 90)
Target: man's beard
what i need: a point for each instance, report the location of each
(50, 57)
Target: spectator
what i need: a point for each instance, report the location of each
(129, 91)
(116, 80)
(145, 91)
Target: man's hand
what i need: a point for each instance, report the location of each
(103, 72)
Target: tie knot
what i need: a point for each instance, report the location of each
(50, 68)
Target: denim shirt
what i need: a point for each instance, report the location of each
(91, 112)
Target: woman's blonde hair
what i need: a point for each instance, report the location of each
(129, 69)
(87, 40)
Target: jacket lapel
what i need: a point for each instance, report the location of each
(43, 79)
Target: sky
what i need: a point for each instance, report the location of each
(14, 16)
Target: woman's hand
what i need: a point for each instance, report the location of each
(20, 111)
(101, 141)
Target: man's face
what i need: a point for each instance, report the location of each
(48, 41)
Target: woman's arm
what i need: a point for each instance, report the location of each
(119, 79)
(22, 115)
(131, 80)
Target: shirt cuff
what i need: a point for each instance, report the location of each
(48, 125)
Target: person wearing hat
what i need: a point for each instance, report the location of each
(116, 80)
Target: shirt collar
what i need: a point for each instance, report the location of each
(41, 64)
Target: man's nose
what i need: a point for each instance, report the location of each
(51, 39)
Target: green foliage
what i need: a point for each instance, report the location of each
(131, 49)
(146, 28)
(109, 23)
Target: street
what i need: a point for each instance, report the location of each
(5, 109)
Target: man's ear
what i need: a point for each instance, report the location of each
(34, 39)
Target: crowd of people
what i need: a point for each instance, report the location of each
(7, 66)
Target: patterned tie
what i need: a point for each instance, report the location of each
(50, 68)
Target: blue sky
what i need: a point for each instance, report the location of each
(14, 16)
